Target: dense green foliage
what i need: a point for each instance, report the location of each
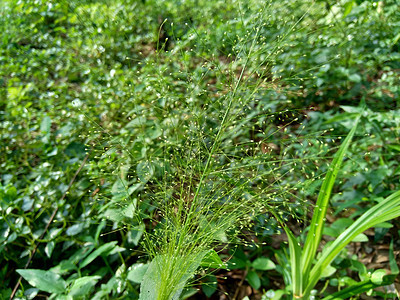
(201, 122)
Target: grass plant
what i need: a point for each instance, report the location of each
(215, 179)
(306, 267)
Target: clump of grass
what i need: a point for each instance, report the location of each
(306, 267)
(213, 191)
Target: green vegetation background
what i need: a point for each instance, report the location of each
(101, 77)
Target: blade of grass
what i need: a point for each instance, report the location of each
(318, 220)
(295, 263)
(355, 289)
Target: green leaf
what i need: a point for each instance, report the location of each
(341, 224)
(236, 263)
(360, 267)
(360, 238)
(253, 280)
(188, 292)
(263, 263)
(212, 260)
(166, 276)
(328, 271)
(384, 225)
(49, 248)
(101, 250)
(145, 171)
(318, 220)
(295, 252)
(330, 231)
(9, 196)
(64, 267)
(348, 8)
(135, 234)
(392, 260)
(377, 276)
(82, 286)
(274, 294)
(355, 78)
(75, 229)
(45, 125)
(119, 190)
(394, 147)
(136, 272)
(129, 210)
(355, 289)
(75, 149)
(14, 92)
(46, 281)
(209, 286)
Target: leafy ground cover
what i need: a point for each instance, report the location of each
(161, 145)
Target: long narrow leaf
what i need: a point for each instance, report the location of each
(382, 212)
(295, 263)
(355, 289)
(318, 220)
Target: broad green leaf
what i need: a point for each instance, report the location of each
(328, 271)
(360, 238)
(384, 225)
(237, 263)
(355, 77)
(274, 294)
(101, 250)
(136, 272)
(75, 149)
(75, 229)
(188, 292)
(135, 234)
(212, 260)
(82, 286)
(209, 286)
(330, 231)
(119, 190)
(46, 281)
(377, 276)
(341, 224)
(49, 248)
(263, 263)
(341, 117)
(64, 267)
(29, 293)
(14, 92)
(129, 210)
(358, 288)
(145, 171)
(80, 254)
(253, 280)
(361, 268)
(348, 6)
(45, 125)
